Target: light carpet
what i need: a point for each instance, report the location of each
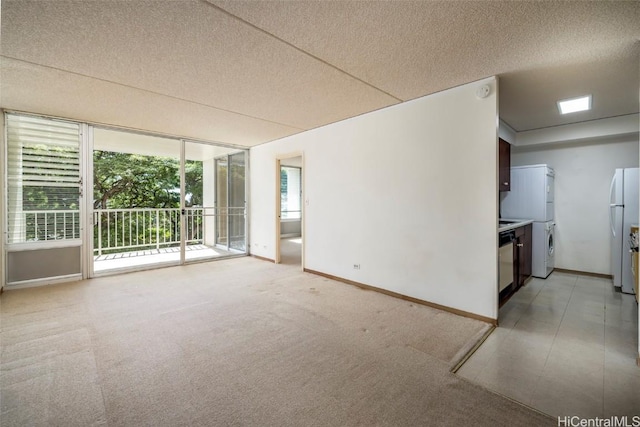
(240, 342)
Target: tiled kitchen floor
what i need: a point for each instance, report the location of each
(566, 345)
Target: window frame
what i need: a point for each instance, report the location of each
(282, 210)
(39, 244)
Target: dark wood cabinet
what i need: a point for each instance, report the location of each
(504, 165)
(522, 255)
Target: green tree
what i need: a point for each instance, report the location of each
(129, 181)
(193, 183)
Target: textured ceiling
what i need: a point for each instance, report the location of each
(250, 72)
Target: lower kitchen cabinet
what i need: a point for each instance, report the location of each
(515, 252)
(522, 255)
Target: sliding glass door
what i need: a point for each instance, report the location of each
(155, 201)
(214, 201)
(237, 202)
(222, 202)
(230, 196)
(136, 200)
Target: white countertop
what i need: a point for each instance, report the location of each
(517, 224)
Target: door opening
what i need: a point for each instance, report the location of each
(290, 218)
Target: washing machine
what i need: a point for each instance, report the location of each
(543, 256)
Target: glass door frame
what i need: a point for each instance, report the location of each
(228, 159)
(88, 235)
(90, 229)
(218, 208)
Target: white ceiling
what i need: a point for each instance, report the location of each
(248, 72)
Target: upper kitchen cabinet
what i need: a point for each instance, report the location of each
(504, 165)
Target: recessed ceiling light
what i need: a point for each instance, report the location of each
(574, 105)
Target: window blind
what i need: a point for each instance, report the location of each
(43, 179)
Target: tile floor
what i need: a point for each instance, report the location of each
(566, 345)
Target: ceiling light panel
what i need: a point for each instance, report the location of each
(574, 105)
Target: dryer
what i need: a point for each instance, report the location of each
(543, 248)
(532, 196)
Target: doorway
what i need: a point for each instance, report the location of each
(289, 206)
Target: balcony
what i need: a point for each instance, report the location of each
(126, 238)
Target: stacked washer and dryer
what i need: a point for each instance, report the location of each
(531, 197)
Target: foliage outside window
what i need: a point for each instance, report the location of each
(43, 179)
(141, 195)
(128, 181)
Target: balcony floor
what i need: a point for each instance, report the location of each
(131, 259)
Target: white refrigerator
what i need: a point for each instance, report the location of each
(623, 212)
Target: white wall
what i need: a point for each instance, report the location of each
(292, 161)
(408, 192)
(506, 132)
(583, 176)
(291, 228)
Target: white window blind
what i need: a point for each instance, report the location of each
(43, 179)
(290, 192)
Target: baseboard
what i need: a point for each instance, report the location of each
(263, 258)
(583, 273)
(462, 313)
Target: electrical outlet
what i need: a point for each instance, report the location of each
(356, 266)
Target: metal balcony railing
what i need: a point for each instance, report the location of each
(121, 230)
(44, 225)
(117, 230)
